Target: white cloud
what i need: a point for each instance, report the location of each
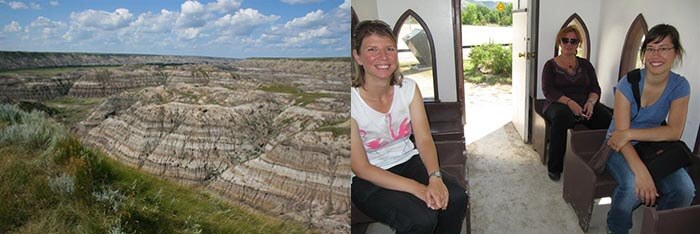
(12, 27)
(45, 28)
(244, 21)
(197, 27)
(300, 1)
(43, 22)
(101, 19)
(17, 5)
(317, 32)
(311, 19)
(308, 36)
(192, 14)
(188, 33)
(345, 5)
(224, 6)
(155, 23)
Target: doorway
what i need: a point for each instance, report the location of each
(487, 32)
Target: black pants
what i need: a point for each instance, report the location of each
(561, 118)
(406, 213)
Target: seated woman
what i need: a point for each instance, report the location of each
(395, 183)
(663, 93)
(570, 85)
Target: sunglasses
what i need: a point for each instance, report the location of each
(572, 41)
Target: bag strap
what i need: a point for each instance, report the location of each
(633, 77)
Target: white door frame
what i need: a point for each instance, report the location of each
(524, 66)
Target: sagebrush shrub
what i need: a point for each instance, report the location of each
(63, 184)
(29, 131)
(109, 197)
(491, 59)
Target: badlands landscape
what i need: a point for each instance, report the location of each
(270, 135)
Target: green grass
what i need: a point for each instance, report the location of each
(53, 71)
(60, 186)
(337, 131)
(336, 127)
(303, 98)
(73, 110)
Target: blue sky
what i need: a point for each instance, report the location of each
(220, 28)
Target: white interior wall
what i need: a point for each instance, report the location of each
(365, 9)
(553, 13)
(607, 22)
(438, 18)
(683, 14)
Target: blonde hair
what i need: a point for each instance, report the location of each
(568, 29)
(365, 29)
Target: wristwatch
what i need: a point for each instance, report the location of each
(436, 174)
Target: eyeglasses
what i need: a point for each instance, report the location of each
(572, 41)
(662, 50)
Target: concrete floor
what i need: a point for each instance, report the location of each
(509, 189)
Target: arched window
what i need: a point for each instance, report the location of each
(584, 51)
(417, 53)
(354, 21)
(630, 59)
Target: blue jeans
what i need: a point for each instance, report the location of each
(675, 190)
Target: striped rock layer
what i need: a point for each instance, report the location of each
(265, 150)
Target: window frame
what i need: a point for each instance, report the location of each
(397, 29)
(633, 43)
(586, 43)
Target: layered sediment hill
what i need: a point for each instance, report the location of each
(269, 134)
(271, 137)
(36, 88)
(10, 60)
(103, 83)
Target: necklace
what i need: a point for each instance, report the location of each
(566, 64)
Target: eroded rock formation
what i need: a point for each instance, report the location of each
(36, 88)
(283, 153)
(21, 60)
(269, 134)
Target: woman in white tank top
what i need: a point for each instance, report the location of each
(395, 182)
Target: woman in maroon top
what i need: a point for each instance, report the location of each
(570, 85)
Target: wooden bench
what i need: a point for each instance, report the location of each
(540, 131)
(681, 220)
(582, 185)
(447, 128)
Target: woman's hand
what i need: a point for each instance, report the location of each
(618, 139)
(588, 110)
(645, 187)
(420, 191)
(575, 108)
(436, 194)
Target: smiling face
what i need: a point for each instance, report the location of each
(659, 56)
(569, 48)
(378, 56)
